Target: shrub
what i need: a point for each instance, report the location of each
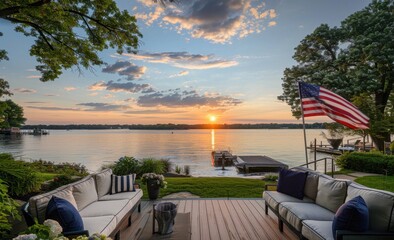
(8, 211)
(20, 178)
(167, 165)
(126, 165)
(73, 169)
(178, 169)
(151, 165)
(186, 169)
(373, 162)
(61, 180)
(271, 178)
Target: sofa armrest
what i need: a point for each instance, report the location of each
(75, 234)
(350, 235)
(270, 187)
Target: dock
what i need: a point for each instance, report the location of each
(218, 160)
(248, 164)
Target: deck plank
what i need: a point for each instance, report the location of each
(220, 222)
(244, 222)
(212, 222)
(195, 220)
(204, 227)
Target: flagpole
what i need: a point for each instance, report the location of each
(303, 124)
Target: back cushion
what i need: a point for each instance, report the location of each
(312, 181)
(331, 193)
(38, 204)
(380, 205)
(84, 192)
(103, 182)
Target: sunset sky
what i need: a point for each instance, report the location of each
(197, 59)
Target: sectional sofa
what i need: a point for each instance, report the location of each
(312, 216)
(101, 211)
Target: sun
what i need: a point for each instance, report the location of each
(212, 118)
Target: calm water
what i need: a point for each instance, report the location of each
(94, 148)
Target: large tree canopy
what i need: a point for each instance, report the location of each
(70, 32)
(354, 60)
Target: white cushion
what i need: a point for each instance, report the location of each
(123, 195)
(103, 208)
(84, 192)
(38, 204)
(331, 193)
(274, 198)
(103, 182)
(101, 224)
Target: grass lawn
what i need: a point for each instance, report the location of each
(378, 182)
(213, 187)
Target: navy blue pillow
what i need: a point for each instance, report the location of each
(292, 183)
(353, 215)
(65, 214)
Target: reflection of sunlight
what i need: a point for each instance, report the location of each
(213, 139)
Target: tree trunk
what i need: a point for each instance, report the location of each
(380, 138)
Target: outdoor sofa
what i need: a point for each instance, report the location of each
(101, 211)
(312, 216)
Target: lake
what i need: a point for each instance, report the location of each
(93, 148)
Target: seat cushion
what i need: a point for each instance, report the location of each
(312, 181)
(84, 192)
(317, 230)
(65, 214)
(103, 182)
(295, 213)
(100, 224)
(292, 183)
(137, 195)
(352, 215)
(380, 206)
(274, 198)
(331, 193)
(104, 208)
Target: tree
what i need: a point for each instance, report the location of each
(355, 61)
(70, 33)
(12, 115)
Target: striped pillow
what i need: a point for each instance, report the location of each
(122, 183)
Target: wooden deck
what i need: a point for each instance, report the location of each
(218, 219)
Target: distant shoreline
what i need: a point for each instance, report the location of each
(174, 126)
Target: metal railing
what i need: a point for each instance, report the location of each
(325, 165)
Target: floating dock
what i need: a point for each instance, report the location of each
(248, 164)
(219, 161)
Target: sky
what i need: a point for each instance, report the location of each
(197, 59)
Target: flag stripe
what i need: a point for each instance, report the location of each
(318, 101)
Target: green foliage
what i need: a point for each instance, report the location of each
(19, 177)
(355, 60)
(151, 165)
(11, 114)
(60, 180)
(154, 179)
(271, 178)
(72, 169)
(126, 165)
(8, 211)
(40, 230)
(178, 169)
(186, 169)
(213, 187)
(70, 33)
(167, 165)
(373, 162)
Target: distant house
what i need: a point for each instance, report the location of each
(10, 131)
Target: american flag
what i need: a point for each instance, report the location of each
(318, 101)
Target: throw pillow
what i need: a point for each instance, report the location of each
(353, 215)
(292, 183)
(65, 214)
(122, 183)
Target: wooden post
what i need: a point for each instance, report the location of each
(314, 155)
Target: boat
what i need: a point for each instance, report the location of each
(222, 158)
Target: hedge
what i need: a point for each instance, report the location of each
(372, 162)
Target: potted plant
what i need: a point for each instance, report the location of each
(153, 183)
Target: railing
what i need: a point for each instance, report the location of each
(325, 164)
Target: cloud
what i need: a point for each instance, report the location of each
(24, 90)
(125, 68)
(51, 95)
(272, 23)
(177, 98)
(54, 108)
(216, 21)
(34, 76)
(184, 60)
(34, 102)
(180, 74)
(103, 106)
(107, 96)
(152, 111)
(121, 87)
(68, 89)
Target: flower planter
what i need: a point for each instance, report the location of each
(153, 189)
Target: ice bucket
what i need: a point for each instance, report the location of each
(164, 214)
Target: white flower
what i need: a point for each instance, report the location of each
(54, 227)
(26, 237)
